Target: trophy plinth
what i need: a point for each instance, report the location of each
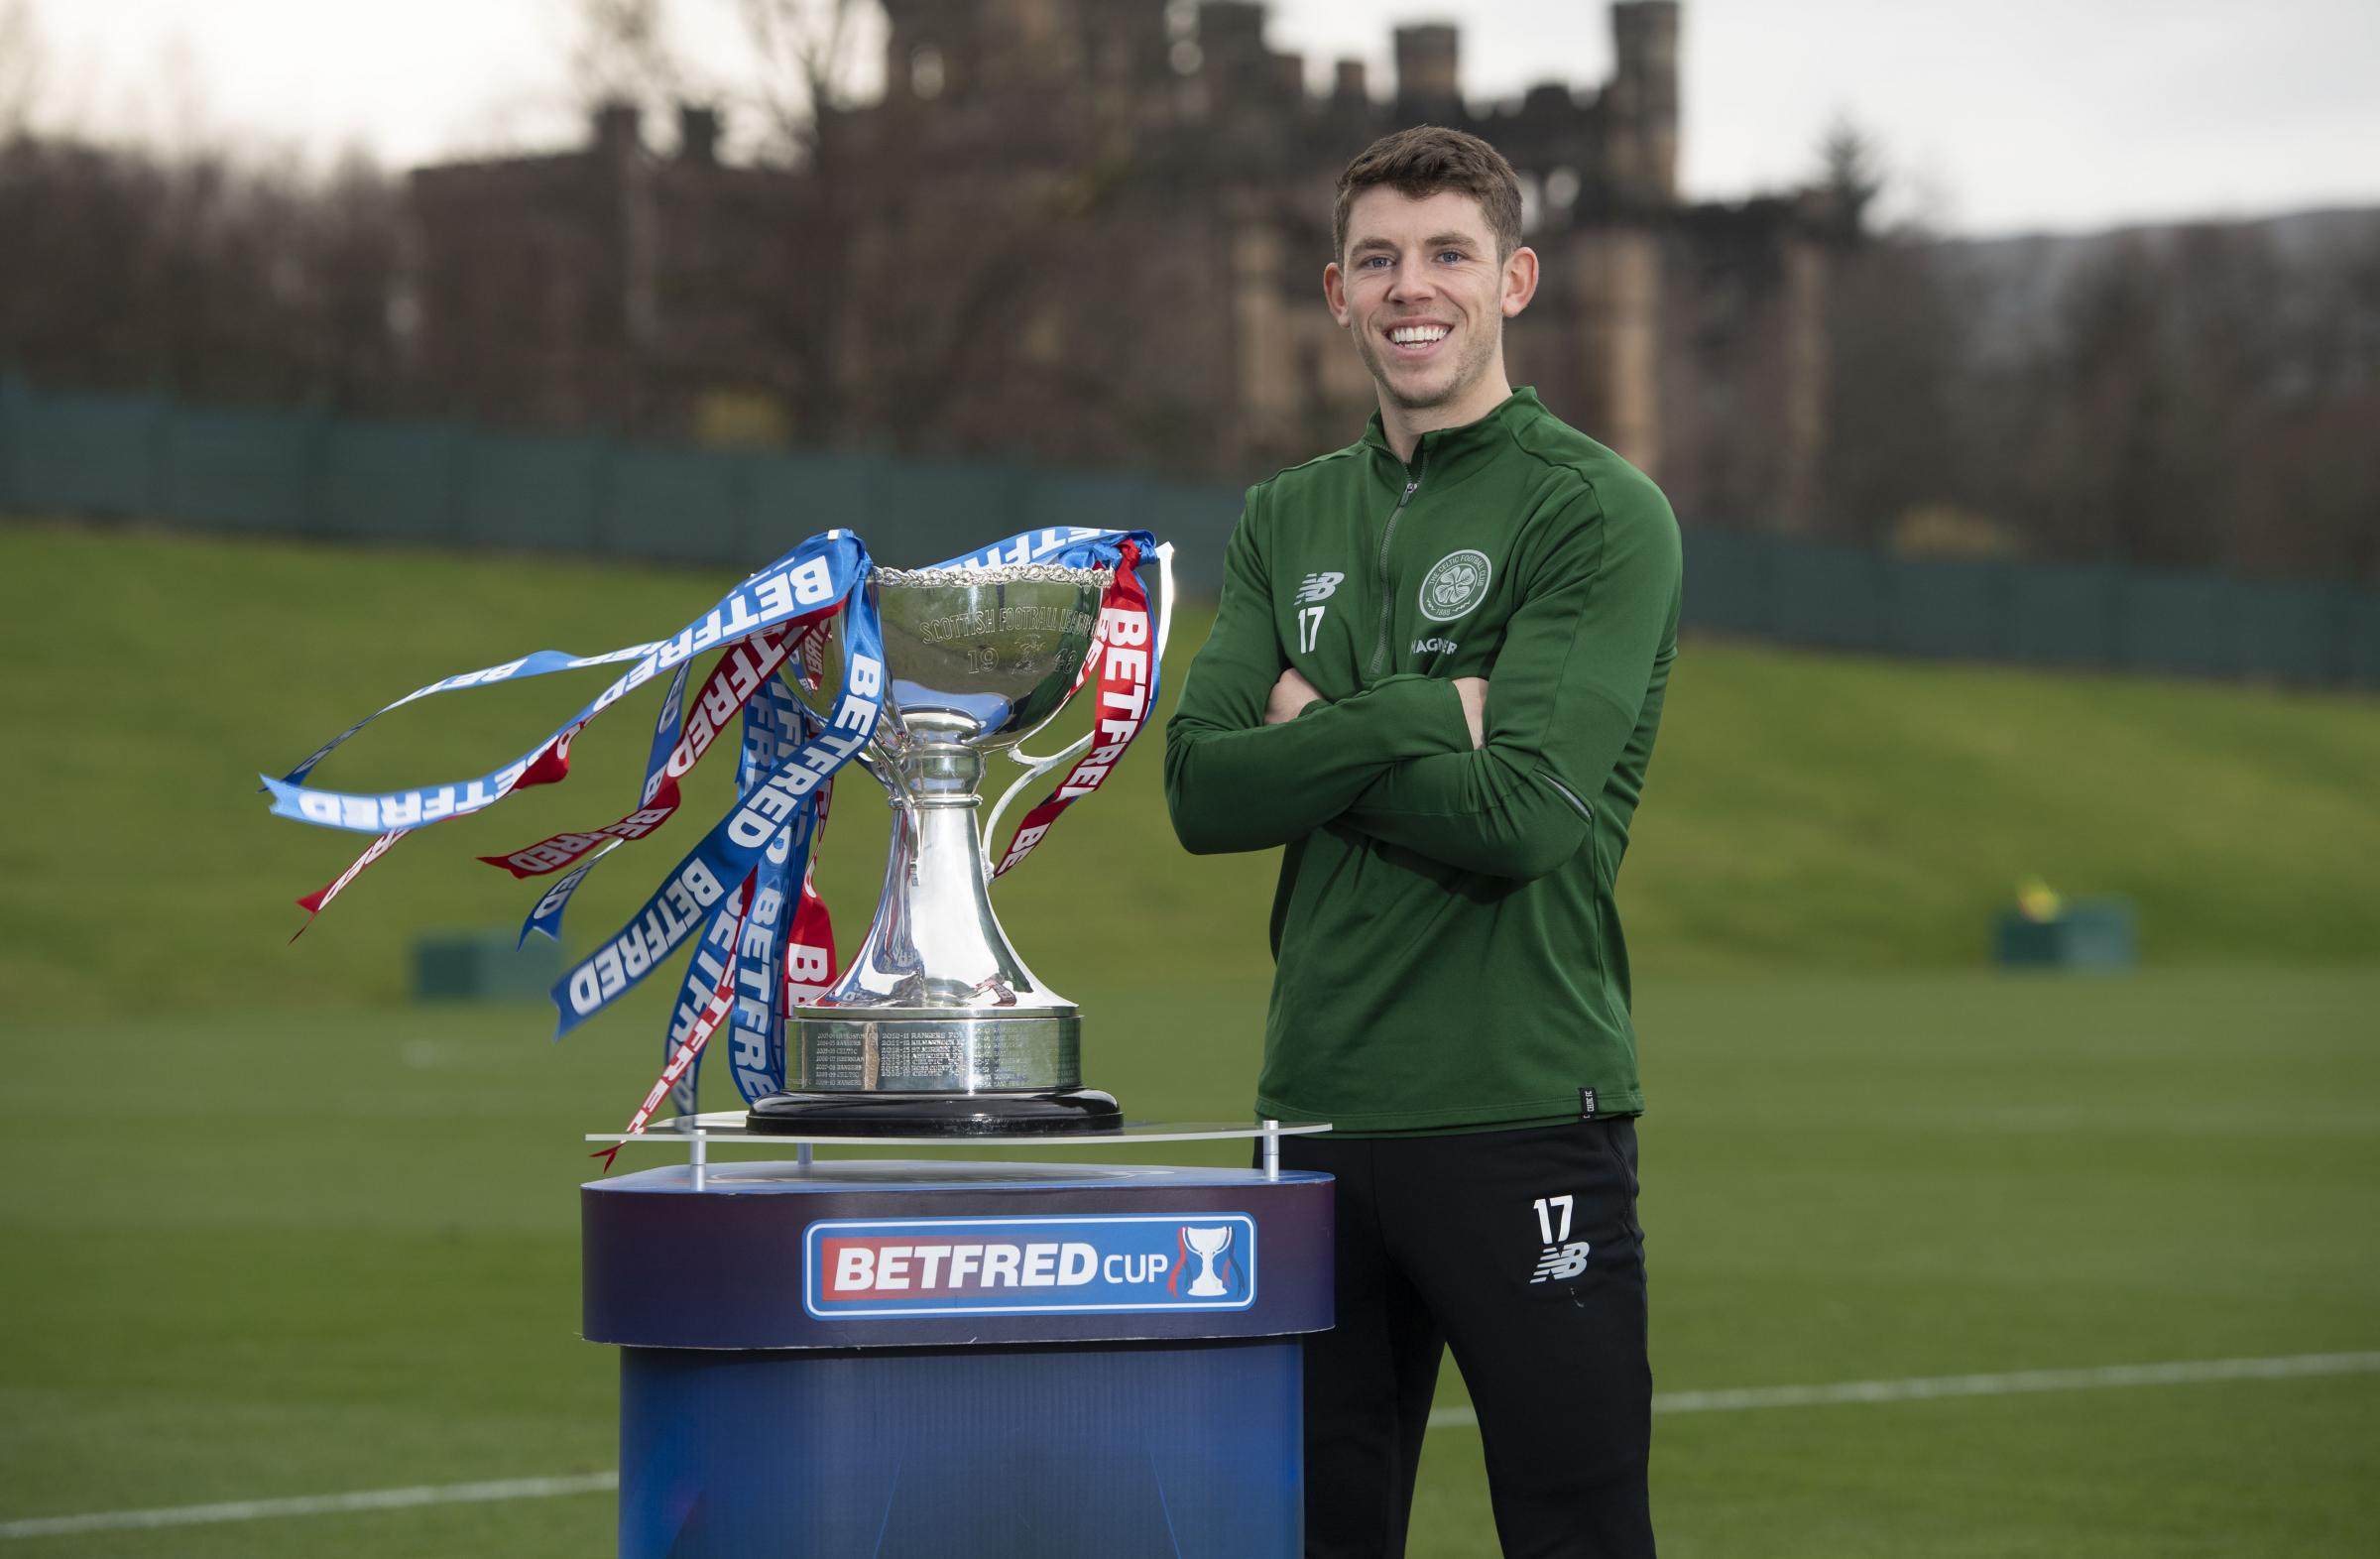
(938, 1026)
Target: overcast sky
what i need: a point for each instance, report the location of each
(1998, 115)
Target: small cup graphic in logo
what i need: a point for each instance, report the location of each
(1207, 1245)
(1455, 584)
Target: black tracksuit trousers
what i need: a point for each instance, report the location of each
(1519, 1250)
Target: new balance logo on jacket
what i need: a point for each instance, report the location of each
(1318, 587)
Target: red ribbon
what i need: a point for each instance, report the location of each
(699, 1034)
(741, 674)
(810, 964)
(1124, 652)
(313, 903)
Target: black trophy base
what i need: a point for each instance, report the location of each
(1067, 1112)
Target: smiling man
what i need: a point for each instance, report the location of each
(1434, 682)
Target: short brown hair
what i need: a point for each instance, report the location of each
(1419, 163)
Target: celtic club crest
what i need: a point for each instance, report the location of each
(1455, 584)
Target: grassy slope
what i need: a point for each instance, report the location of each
(1861, 813)
(1804, 811)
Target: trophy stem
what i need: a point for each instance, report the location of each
(935, 942)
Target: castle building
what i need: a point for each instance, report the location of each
(605, 286)
(1092, 232)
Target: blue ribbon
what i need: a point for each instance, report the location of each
(541, 663)
(545, 919)
(1065, 547)
(775, 724)
(710, 874)
(810, 578)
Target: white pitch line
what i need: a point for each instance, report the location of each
(2185, 1372)
(311, 1505)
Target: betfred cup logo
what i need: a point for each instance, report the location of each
(930, 1266)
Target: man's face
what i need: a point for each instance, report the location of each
(1421, 290)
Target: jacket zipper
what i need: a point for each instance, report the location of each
(1380, 655)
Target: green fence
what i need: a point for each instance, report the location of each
(2089, 616)
(448, 483)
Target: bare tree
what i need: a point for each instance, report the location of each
(1850, 177)
(2198, 398)
(23, 64)
(809, 55)
(623, 54)
(1896, 351)
(214, 277)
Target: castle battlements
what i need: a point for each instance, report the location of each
(1116, 73)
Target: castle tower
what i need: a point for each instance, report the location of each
(1240, 74)
(1426, 90)
(1612, 278)
(964, 51)
(1347, 85)
(1642, 102)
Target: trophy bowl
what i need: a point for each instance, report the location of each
(938, 1027)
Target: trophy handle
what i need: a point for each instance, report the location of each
(1035, 767)
(1164, 597)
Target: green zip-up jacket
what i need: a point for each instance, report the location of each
(1447, 952)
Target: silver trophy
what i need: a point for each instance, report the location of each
(938, 1027)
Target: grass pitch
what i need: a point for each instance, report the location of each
(268, 1257)
(272, 1234)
